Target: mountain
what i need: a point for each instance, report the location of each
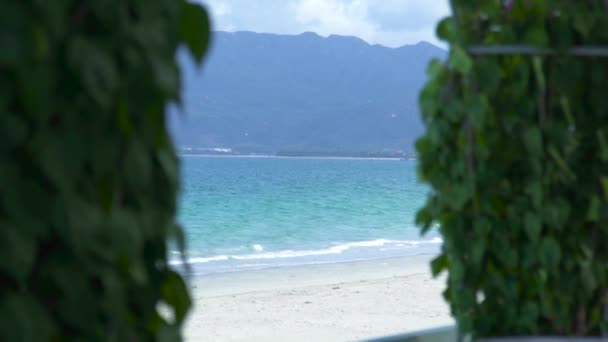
(269, 93)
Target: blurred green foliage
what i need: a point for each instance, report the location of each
(88, 174)
(516, 154)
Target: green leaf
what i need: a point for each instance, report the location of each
(584, 21)
(428, 100)
(537, 36)
(175, 293)
(460, 60)
(537, 62)
(138, 272)
(15, 38)
(447, 30)
(603, 145)
(177, 233)
(60, 168)
(488, 73)
(434, 68)
(565, 104)
(439, 264)
(138, 165)
(166, 75)
(477, 110)
(533, 140)
(550, 253)
(19, 314)
(97, 70)
(556, 212)
(458, 196)
(41, 42)
(593, 213)
(17, 251)
(424, 219)
(168, 164)
(194, 27)
(529, 314)
(589, 279)
(478, 251)
(124, 118)
(533, 224)
(124, 233)
(16, 130)
(168, 333)
(535, 190)
(482, 227)
(604, 181)
(561, 162)
(36, 89)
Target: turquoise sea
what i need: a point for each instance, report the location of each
(243, 213)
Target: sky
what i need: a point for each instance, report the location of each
(390, 23)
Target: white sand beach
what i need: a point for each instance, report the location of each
(327, 302)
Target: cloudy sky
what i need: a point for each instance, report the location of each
(387, 22)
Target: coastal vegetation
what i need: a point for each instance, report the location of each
(88, 172)
(516, 155)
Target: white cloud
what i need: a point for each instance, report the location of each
(217, 8)
(386, 22)
(335, 17)
(395, 15)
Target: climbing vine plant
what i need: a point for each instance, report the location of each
(88, 173)
(516, 156)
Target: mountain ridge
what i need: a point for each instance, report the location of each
(260, 92)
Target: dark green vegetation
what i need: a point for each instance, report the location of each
(268, 93)
(88, 174)
(516, 153)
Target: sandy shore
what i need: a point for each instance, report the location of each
(331, 302)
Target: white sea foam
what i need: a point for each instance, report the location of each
(201, 260)
(339, 248)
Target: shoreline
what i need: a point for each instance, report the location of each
(355, 251)
(324, 302)
(270, 156)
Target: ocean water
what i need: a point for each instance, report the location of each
(243, 213)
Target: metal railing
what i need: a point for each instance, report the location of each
(584, 51)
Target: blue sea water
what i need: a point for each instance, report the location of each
(243, 213)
